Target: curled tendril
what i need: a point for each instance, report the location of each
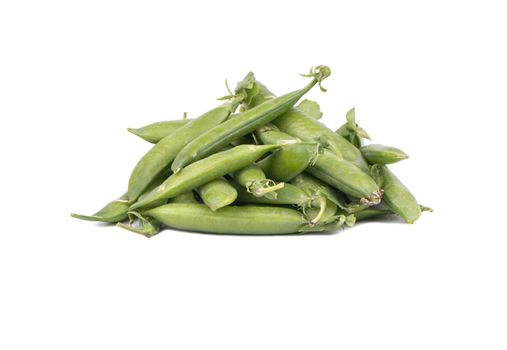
(235, 97)
(319, 73)
(264, 188)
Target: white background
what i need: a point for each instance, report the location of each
(429, 77)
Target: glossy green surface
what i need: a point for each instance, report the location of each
(370, 213)
(186, 197)
(288, 162)
(217, 193)
(343, 175)
(117, 210)
(205, 170)
(113, 212)
(397, 196)
(239, 126)
(306, 128)
(162, 154)
(288, 195)
(254, 220)
(157, 131)
(380, 154)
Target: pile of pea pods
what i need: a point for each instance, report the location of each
(260, 164)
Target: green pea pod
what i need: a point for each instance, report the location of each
(113, 212)
(288, 195)
(237, 220)
(351, 130)
(217, 193)
(245, 122)
(370, 213)
(286, 163)
(205, 170)
(186, 197)
(327, 209)
(331, 194)
(397, 197)
(296, 123)
(346, 177)
(325, 165)
(380, 154)
(117, 210)
(157, 131)
(149, 227)
(163, 153)
(254, 180)
(244, 140)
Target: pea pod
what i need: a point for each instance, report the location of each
(217, 193)
(114, 211)
(205, 170)
(293, 195)
(324, 207)
(298, 124)
(286, 163)
(157, 131)
(117, 210)
(245, 122)
(288, 195)
(369, 213)
(249, 220)
(352, 131)
(346, 177)
(372, 212)
(163, 153)
(397, 196)
(186, 197)
(380, 154)
(255, 182)
(331, 194)
(291, 161)
(327, 209)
